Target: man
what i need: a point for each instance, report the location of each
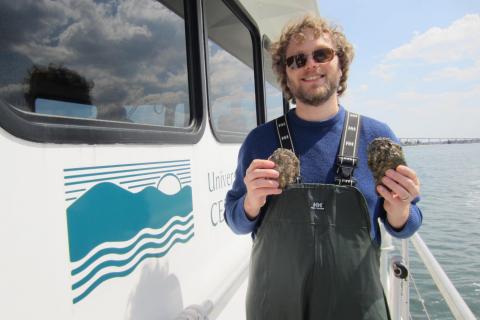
(316, 244)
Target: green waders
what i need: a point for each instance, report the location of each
(313, 258)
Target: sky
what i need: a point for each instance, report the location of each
(416, 65)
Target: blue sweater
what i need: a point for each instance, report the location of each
(316, 145)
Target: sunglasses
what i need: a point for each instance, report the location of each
(321, 55)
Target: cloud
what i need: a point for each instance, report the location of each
(453, 44)
(24, 21)
(363, 87)
(437, 45)
(470, 73)
(13, 93)
(167, 98)
(384, 71)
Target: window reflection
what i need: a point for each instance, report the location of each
(273, 92)
(230, 72)
(112, 60)
(232, 92)
(274, 101)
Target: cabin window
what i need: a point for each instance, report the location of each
(104, 60)
(230, 73)
(274, 101)
(273, 92)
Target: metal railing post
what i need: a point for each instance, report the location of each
(457, 305)
(405, 298)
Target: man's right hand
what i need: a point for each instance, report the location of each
(261, 181)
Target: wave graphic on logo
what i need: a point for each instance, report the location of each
(130, 176)
(111, 231)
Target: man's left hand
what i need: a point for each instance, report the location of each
(399, 188)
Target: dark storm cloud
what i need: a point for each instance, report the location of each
(23, 20)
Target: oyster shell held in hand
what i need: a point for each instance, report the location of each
(287, 164)
(384, 154)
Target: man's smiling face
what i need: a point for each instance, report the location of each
(315, 82)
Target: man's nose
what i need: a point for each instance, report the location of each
(311, 63)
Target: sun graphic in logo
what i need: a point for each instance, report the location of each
(169, 184)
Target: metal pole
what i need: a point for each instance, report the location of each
(405, 299)
(454, 300)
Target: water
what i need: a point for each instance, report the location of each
(450, 186)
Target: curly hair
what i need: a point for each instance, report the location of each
(343, 49)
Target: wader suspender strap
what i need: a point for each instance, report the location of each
(284, 133)
(347, 156)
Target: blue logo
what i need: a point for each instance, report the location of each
(123, 214)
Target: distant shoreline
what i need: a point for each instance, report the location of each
(427, 141)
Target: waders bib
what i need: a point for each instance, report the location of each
(312, 257)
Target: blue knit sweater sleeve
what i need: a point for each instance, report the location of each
(235, 215)
(413, 223)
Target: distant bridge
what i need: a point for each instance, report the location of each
(417, 141)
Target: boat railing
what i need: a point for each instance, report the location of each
(397, 289)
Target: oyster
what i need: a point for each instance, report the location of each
(287, 164)
(384, 154)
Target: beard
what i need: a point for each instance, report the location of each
(316, 96)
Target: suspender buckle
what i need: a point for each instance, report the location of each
(345, 167)
(344, 172)
(346, 182)
(347, 161)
